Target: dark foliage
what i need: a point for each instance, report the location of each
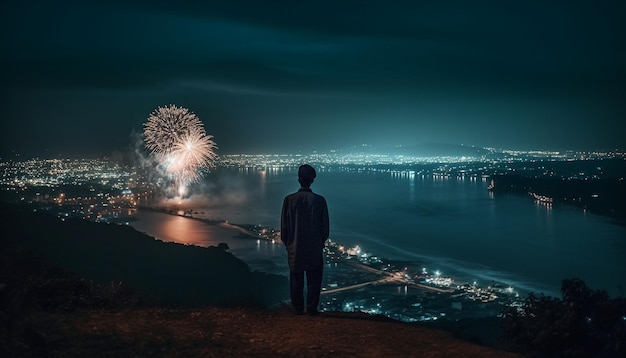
(28, 285)
(169, 273)
(584, 323)
(51, 266)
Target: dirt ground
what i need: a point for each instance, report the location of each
(234, 332)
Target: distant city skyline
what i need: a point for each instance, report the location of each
(80, 79)
(429, 152)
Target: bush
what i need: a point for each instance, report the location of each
(584, 323)
(29, 285)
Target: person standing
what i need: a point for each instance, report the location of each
(304, 228)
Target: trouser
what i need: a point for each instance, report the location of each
(313, 286)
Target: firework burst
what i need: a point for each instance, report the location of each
(177, 139)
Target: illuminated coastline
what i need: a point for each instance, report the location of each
(104, 191)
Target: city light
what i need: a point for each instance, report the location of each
(104, 191)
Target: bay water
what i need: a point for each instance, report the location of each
(453, 225)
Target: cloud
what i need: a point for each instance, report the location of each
(265, 69)
(264, 48)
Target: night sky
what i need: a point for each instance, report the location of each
(78, 78)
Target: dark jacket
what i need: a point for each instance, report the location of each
(304, 229)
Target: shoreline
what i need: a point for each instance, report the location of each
(460, 276)
(223, 223)
(387, 277)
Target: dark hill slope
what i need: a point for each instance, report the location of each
(167, 272)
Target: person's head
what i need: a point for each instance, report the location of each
(306, 175)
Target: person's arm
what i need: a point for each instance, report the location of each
(325, 221)
(285, 224)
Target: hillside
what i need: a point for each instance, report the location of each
(238, 332)
(76, 288)
(168, 273)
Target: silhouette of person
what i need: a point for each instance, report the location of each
(304, 230)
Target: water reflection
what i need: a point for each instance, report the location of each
(259, 255)
(403, 290)
(185, 231)
(263, 181)
(267, 247)
(174, 228)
